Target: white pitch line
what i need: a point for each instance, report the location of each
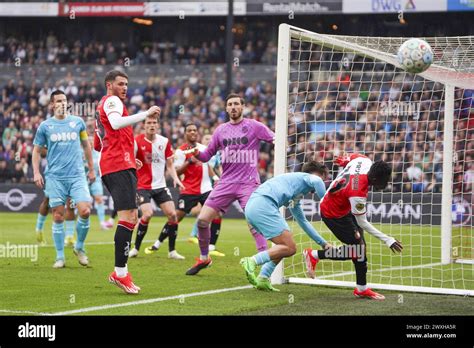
(145, 241)
(383, 270)
(22, 312)
(152, 300)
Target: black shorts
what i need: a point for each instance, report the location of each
(188, 202)
(122, 186)
(345, 229)
(160, 196)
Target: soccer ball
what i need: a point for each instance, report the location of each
(415, 56)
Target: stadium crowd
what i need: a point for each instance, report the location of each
(52, 51)
(341, 115)
(368, 108)
(25, 106)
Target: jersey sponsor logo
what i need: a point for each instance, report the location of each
(235, 141)
(152, 157)
(64, 136)
(16, 199)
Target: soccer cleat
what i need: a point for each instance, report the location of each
(69, 241)
(104, 226)
(40, 238)
(81, 257)
(249, 265)
(199, 265)
(110, 223)
(124, 283)
(133, 253)
(193, 240)
(216, 253)
(175, 256)
(368, 293)
(265, 285)
(310, 262)
(59, 264)
(151, 249)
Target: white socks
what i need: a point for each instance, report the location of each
(361, 287)
(121, 271)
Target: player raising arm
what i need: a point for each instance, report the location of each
(343, 210)
(262, 212)
(239, 142)
(114, 140)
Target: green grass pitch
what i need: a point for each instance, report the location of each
(34, 286)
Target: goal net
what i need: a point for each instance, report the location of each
(346, 94)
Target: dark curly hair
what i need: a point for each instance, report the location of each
(379, 174)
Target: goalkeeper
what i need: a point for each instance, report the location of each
(262, 213)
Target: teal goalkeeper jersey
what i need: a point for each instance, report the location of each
(291, 187)
(63, 140)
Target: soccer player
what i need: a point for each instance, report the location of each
(197, 180)
(343, 210)
(114, 140)
(96, 189)
(69, 218)
(262, 212)
(239, 142)
(63, 135)
(152, 152)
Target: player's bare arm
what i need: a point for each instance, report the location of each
(90, 162)
(172, 170)
(38, 178)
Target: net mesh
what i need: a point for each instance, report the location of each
(342, 100)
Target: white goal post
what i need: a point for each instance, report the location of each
(340, 94)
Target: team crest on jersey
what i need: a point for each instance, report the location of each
(245, 129)
(360, 206)
(143, 148)
(160, 147)
(72, 124)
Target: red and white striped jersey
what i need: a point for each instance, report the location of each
(352, 195)
(196, 177)
(153, 155)
(115, 145)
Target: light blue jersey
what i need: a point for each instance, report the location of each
(215, 161)
(63, 140)
(65, 175)
(283, 190)
(291, 187)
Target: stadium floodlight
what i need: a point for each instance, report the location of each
(344, 94)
